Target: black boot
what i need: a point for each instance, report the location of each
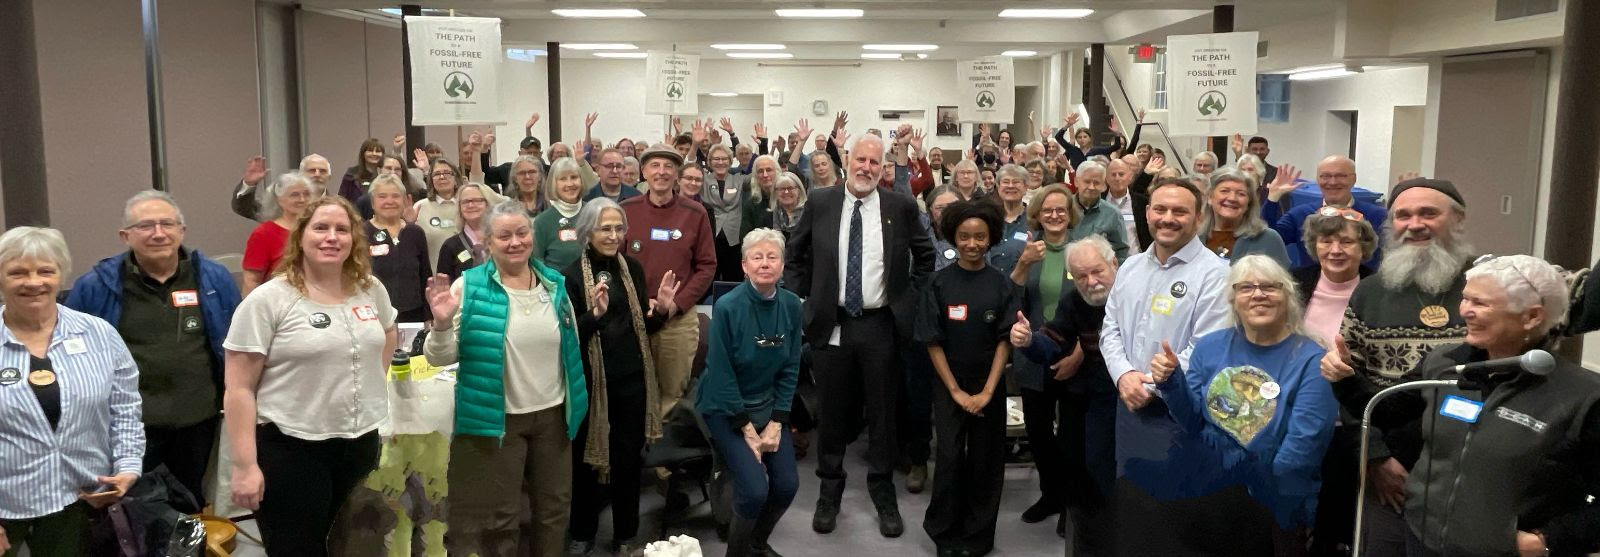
(763, 532)
(740, 536)
(883, 499)
(826, 517)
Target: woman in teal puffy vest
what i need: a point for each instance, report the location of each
(520, 392)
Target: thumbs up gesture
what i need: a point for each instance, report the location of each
(1336, 363)
(1163, 364)
(1032, 252)
(1021, 332)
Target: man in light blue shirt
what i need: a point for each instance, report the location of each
(1173, 293)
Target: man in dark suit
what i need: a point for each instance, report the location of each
(859, 258)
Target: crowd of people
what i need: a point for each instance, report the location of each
(1193, 351)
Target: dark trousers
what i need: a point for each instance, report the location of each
(1051, 442)
(59, 534)
(1336, 503)
(1088, 423)
(627, 442)
(916, 415)
(863, 372)
(491, 477)
(1227, 523)
(306, 483)
(729, 260)
(186, 451)
(765, 486)
(968, 471)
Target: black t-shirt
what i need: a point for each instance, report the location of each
(1077, 320)
(401, 264)
(49, 395)
(967, 313)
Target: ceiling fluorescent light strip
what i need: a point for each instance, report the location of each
(599, 46)
(760, 55)
(900, 47)
(1050, 13)
(597, 12)
(750, 46)
(818, 12)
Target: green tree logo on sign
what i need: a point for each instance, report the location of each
(1213, 103)
(985, 99)
(674, 90)
(458, 84)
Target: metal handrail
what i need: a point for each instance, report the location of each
(1171, 147)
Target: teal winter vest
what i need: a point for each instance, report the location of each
(480, 383)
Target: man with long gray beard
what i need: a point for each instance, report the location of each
(1394, 319)
(1070, 343)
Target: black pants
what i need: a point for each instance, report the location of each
(968, 471)
(863, 372)
(1226, 523)
(306, 483)
(916, 415)
(1336, 503)
(729, 260)
(627, 443)
(1089, 430)
(1050, 442)
(59, 534)
(186, 451)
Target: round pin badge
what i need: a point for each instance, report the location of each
(1434, 316)
(676, 234)
(1179, 289)
(381, 236)
(602, 278)
(41, 378)
(563, 221)
(1270, 390)
(436, 222)
(9, 376)
(321, 320)
(191, 324)
(635, 246)
(988, 316)
(950, 253)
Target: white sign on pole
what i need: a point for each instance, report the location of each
(988, 90)
(674, 83)
(455, 66)
(1212, 84)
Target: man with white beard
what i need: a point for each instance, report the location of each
(1086, 419)
(1394, 319)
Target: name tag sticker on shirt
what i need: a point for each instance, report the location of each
(10, 376)
(956, 313)
(185, 298)
(1460, 409)
(567, 235)
(660, 234)
(464, 256)
(1270, 390)
(1127, 217)
(1020, 236)
(380, 250)
(75, 346)
(1162, 305)
(365, 313)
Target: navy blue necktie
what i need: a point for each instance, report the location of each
(852, 266)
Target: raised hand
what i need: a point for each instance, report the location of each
(1113, 124)
(442, 301)
(698, 132)
(400, 142)
(1032, 253)
(1401, 178)
(902, 134)
(840, 136)
(667, 292)
(761, 131)
(1336, 363)
(1071, 120)
(474, 143)
(840, 120)
(488, 140)
(677, 125)
(917, 136)
(1140, 117)
(534, 119)
(600, 301)
(1236, 143)
(726, 125)
(420, 159)
(1284, 183)
(1021, 332)
(588, 121)
(255, 170)
(1164, 363)
(983, 131)
(803, 129)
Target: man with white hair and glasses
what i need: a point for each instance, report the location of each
(247, 203)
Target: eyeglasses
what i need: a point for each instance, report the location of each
(1335, 176)
(528, 173)
(788, 188)
(614, 230)
(149, 226)
(444, 174)
(612, 166)
(1055, 211)
(477, 201)
(1347, 213)
(1250, 288)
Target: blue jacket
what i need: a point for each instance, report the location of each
(1288, 226)
(99, 293)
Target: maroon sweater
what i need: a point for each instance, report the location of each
(673, 237)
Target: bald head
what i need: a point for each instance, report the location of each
(1336, 175)
(1119, 176)
(315, 168)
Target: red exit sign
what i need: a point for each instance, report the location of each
(1145, 53)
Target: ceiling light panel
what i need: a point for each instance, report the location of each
(900, 47)
(819, 12)
(748, 46)
(622, 54)
(1046, 13)
(599, 13)
(760, 55)
(599, 46)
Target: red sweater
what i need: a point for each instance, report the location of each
(673, 237)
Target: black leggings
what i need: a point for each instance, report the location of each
(627, 443)
(306, 483)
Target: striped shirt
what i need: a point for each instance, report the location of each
(100, 434)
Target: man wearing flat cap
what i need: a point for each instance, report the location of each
(1395, 317)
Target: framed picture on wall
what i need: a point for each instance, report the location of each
(949, 122)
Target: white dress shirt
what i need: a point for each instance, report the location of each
(874, 273)
(1151, 302)
(1129, 225)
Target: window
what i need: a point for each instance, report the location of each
(1272, 97)
(1159, 83)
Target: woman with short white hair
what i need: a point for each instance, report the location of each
(747, 390)
(1204, 164)
(1253, 397)
(555, 233)
(264, 248)
(1507, 467)
(72, 438)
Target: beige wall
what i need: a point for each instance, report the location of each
(92, 104)
(333, 83)
(213, 115)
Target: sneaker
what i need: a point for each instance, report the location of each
(1041, 510)
(917, 478)
(580, 548)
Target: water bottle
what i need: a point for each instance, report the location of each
(400, 372)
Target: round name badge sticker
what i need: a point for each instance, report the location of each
(436, 222)
(949, 253)
(41, 377)
(635, 246)
(603, 278)
(321, 320)
(1179, 289)
(1270, 390)
(677, 234)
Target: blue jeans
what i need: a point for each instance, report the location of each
(765, 485)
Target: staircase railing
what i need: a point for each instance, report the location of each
(1173, 155)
